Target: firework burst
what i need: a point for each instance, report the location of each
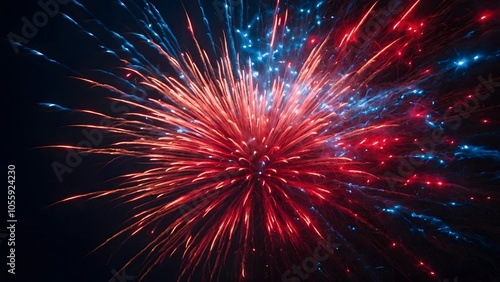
(258, 150)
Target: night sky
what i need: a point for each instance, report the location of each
(55, 242)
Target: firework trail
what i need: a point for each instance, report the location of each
(311, 123)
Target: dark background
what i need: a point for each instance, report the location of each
(53, 243)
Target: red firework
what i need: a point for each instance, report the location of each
(249, 167)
